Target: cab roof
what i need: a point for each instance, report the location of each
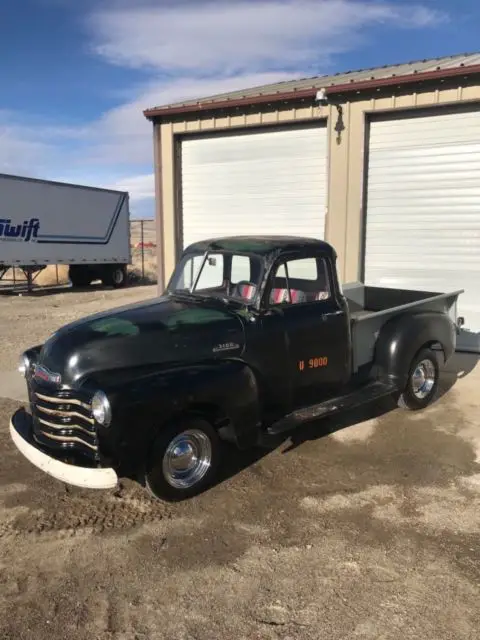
(263, 245)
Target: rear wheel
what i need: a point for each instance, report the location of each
(115, 276)
(185, 460)
(422, 384)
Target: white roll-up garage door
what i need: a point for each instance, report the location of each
(423, 209)
(271, 181)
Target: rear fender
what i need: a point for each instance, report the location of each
(403, 336)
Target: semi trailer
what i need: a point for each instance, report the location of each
(46, 223)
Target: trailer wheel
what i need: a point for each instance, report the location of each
(422, 384)
(184, 461)
(115, 276)
(79, 276)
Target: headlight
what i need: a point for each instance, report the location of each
(23, 364)
(101, 409)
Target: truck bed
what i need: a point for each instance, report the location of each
(371, 307)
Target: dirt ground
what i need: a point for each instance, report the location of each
(361, 528)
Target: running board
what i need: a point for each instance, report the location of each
(368, 393)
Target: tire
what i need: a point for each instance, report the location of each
(79, 276)
(115, 276)
(424, 371)
(165, 482)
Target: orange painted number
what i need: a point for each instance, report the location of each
(315, 363)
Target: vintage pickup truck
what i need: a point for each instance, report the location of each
(252, 337)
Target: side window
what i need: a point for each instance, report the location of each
(300, 280)
(241, 269)
(212, 273)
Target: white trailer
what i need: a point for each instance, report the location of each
(47, 223)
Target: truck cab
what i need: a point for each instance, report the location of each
(297, 329)
(252, 337)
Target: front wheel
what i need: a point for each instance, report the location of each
(422, 384)
(184, 462)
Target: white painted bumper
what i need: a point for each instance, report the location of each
(78, 476)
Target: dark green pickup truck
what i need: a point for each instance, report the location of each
(253, 337)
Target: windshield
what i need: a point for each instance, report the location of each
(234, 276)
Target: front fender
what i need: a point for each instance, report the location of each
(144, 401)
(229, 386)
(403, 336)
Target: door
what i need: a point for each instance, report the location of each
(267, 181)
(316, 327)
(423, 208)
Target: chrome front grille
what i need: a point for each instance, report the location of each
(64, 421)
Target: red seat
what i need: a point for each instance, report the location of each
(246, 291)
(280, 296)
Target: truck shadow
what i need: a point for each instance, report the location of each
(235, 461)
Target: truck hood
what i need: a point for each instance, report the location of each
(167, 331)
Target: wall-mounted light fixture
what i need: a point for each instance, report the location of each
(324, 99)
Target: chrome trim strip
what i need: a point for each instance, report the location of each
(69, 439)
(64, 414)
(73, 427)
(53, 400)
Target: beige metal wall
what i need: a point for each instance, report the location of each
(344, 219)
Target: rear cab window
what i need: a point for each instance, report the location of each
(300, 280)
(241, 269)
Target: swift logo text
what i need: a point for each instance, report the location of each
(25, 231)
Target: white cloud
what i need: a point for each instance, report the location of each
(124, 134)
(142, 193)
(210, 47)
(240, 35)
(139, 187)
(20, 148)
(189, 49)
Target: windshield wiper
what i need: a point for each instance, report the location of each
(210, 297)
(199, 296)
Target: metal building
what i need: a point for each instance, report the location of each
(383, 163)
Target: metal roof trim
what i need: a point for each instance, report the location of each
(417, 76)
(373, 83)
(231, 102)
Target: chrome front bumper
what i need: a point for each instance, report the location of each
(91, 478)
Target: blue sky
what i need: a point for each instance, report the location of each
(77, 75)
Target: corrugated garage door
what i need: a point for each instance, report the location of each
(423, 209)
(265, 182)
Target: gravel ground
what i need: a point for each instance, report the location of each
(363, 528)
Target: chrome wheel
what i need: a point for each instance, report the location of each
(423, 379)
(187, 459)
